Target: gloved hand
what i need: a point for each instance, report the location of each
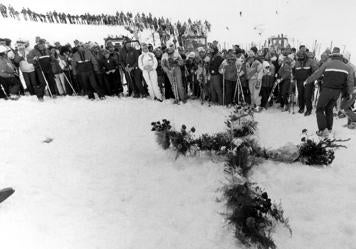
(305, 83)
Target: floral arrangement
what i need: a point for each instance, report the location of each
(252, 214)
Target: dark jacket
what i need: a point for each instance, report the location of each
(303, 69)
(337, 75)
(44, 59)
(129, 57)
(214, 64)
(84, 62)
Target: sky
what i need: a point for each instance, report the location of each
(303, 21)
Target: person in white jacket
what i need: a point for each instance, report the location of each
(147, 62)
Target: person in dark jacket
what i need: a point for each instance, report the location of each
(215, 77)
(41, 59)
(303, 68)
(338, 79)
(84, 67)
(129, 61)
(112, 74)
(229, 70)
(285, 74)
(267, 82)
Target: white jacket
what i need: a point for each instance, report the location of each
(147, 59)
(24, 65)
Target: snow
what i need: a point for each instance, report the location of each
(103, 182)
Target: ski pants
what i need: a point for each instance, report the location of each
(265, 92)
(255, 93)
(60, 83)
(113, 83)
(134, 80)
(216, 89)
(152, 84)
(175, 79)
(30, 81)
(305, 95)
(230, 91)
(346, 105)
(88, 82)
(324, 108)
(46, 76)
(284, 91)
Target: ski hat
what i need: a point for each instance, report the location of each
(3, 49)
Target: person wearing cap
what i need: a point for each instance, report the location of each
(112, 73)
(84, 66)
(254, 75)
(192, 66)
(10, 84)
(133, 75)
(40, 57)
(147, 62)
(304, 67)
(284, 81)
(27, 69)
(216, 88)
(347, 103)
(171, 62)
(338, 79)
(267, 81)
(229, 70)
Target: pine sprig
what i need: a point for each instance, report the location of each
(252, 214)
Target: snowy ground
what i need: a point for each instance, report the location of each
(103, 182)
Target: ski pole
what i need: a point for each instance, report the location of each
(3, 90)
(71, 86)
(44, 77)
(223, 86)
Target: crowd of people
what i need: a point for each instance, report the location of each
(257, 77)
(132, 23)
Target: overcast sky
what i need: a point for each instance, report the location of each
(305, 20)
